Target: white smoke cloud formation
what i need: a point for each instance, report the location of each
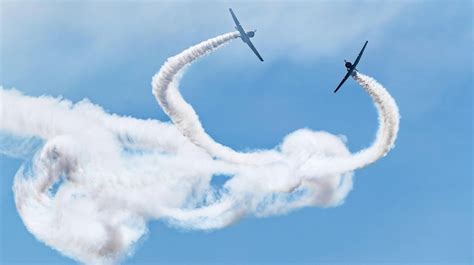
(92, 180)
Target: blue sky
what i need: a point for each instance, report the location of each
(413, 206)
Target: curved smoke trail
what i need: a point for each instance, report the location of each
(92, 180)
(166, 90)
(389, 119)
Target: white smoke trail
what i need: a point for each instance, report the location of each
(95, 179)
(389, 120)
(166, 90)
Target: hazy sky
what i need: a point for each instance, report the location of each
(413, 206)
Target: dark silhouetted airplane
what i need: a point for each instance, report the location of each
(351, 67)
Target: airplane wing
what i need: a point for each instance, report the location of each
(239, 27)
(250, 44)
(360, 54)
(237, 23)
(344, 79)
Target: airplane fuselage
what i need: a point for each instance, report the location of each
(245, 36)
(348, 65)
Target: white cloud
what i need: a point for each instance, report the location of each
(79, 38)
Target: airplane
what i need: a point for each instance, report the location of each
(245, 36)
(351, 67)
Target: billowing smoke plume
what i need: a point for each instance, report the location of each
(91, 180)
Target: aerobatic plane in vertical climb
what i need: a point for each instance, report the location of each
(351, 67)
(245, 36)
